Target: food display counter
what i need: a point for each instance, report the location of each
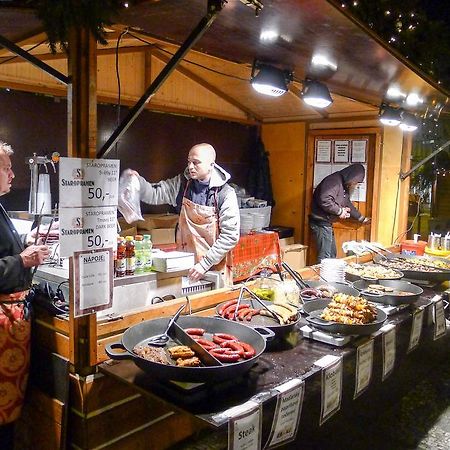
(117, 402)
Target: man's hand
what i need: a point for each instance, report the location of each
(367, 221)
(196, 272)
(345, 214)
(34, 255)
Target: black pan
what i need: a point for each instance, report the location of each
(390, 298)
(265, 321)
(315, 309)
(353, 277)
(441, 275)
(139, 334)
(344, 288)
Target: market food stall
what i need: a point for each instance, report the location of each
(115, 404)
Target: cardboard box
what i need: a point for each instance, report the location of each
(286, 241)
(173, 261)
(160, 235)
(128, 231)
(294, 255)
(152, 221)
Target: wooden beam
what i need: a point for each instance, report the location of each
(30, 40)
(82, 143)
(202, 82)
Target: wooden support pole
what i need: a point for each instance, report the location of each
(82, 143)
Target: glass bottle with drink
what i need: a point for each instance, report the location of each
(130, 255)
(120, 257)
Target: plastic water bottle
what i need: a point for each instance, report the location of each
(147, 249)
(140, 254)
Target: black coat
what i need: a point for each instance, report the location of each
(331, 195)
(14, 277)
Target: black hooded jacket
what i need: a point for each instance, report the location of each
(331, 195)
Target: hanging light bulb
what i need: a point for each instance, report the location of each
(270, 80)
(316, 94)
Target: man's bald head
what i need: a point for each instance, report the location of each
(201, 161)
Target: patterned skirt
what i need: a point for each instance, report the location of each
(15, 330)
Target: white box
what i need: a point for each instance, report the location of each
(173, 261)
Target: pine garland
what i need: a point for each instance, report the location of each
(59, 16)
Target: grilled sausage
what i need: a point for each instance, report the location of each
(195, 331)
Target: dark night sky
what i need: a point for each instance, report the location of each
(437, 10)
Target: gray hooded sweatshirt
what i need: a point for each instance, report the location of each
(220, 195)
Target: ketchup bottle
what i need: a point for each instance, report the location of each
(130, 255)
(120, 257)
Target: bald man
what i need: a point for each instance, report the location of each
(209, 213)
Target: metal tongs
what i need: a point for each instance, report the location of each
(255, 297)
(295, 276)
(160, 340)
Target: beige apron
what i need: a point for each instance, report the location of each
(198, 229)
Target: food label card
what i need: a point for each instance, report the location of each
(364, 365)
(331, 390)
(244, 429)
(389, 345)
(416, 330)
(287, 413)
(440, 326)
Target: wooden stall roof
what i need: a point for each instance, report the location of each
(221, 60)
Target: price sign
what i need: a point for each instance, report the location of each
(287, 413)
(416, 330)
(93, 277)
(440, 326)
(331, 390)
(244, 430)
(364, 365)
(88, 182)
(389, 345)
(87, 229)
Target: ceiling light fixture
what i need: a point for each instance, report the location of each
(410, 122)
(316, 94)
(390, 116)
(413, 99)
(270, 80)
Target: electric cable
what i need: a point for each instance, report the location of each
(28, 51)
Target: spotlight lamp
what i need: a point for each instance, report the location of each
(390, 116)
(270, 80)
(410, 122)
(316, 94)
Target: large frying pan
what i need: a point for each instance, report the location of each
(344, 288)
(390, 298)
(315, 308)
(265, 321)
(141, 332)
(354, 277)
(441, 275)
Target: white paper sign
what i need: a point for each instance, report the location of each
(323, 151)
(83, 229)
(359, 151)
(320, 172)
(389, 346)
(341, 151)
(244, 431)
(331, 390)
(88, 182)
(93, 281)
(364, 365)
(287, 413)
(416, 330)
(440, 326)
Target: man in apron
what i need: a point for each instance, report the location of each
(15, 280)
(209, 213)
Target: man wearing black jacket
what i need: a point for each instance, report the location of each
(15, 280)
(331, 201)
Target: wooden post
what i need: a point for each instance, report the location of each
(82, 143)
